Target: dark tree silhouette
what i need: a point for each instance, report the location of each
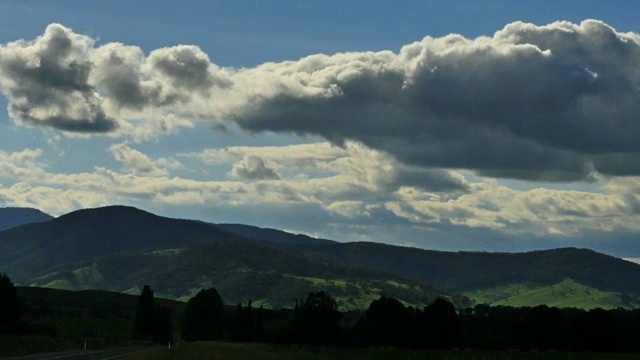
(317, 319)
(152, 322)
(145, 315)
(542, 329)
(245, 323)
(9, 306)
(164, 329)
(440, 325)
(384, 323)
(204, 317)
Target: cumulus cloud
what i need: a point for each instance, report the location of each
(531, 102)
(365, 167)
(537, 211)
(558, 102)
(253, 168)
(137, 163)
(46, 82)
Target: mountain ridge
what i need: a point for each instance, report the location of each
(16, 216)
(103, 247)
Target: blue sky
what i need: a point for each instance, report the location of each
(360, 120)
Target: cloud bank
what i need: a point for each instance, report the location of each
(559, 102)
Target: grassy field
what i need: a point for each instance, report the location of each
(233, 351)
(568, 294)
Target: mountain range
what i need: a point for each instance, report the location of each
(121, 248)
(12, 217)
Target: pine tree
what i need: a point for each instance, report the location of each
(152, 322)
(145, 315)
(9, 306)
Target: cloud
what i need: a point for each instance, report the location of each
(531, 102)
(540, 211)
(253, 168)
(168, 76)
(137, 163)
(558, 102)
(365, 167)
(46, 82)
(332, 194)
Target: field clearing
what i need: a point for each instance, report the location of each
(565, 294)
(244, 351)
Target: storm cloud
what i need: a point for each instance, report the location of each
(559, 102)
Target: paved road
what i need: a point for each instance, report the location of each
(86, 354)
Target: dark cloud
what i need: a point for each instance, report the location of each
(559, 102)
(166, 77)
(46, 82)
(536, 103)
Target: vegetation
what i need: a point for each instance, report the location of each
(108, 319)
(9, 306)
(236, 351)
(565, 294)
(467, 271)
(316, 319)
(204, 317)
(152, 322)
(85, 250)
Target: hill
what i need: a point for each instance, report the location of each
(12, 217)
(38, 249)
(273, 235)
(565, 294)
(241, 270)
(120, 248)
(464, 271)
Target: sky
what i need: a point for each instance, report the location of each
(466, 125)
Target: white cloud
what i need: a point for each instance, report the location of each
(530, 102)
(252, 167)
(137, 163)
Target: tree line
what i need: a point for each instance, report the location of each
(316, 320)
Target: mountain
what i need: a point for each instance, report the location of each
(121, 248)
(12, 217)
(463, 271)
(273, 235)
(37, 249)
(241, 270)
(468, 272)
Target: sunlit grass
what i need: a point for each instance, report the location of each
(567, 293)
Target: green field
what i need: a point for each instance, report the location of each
(233, 351)
(565, 294)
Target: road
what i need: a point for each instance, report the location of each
(107, 354)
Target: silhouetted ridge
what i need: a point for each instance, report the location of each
(86, 234)
(272, 235)
(13, 216)
(460, 271)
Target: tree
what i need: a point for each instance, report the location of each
(152, 322)
(384, 322)
(9, 306)
(145, 315)
(440, 323)
(204, 317)
(317, 319)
